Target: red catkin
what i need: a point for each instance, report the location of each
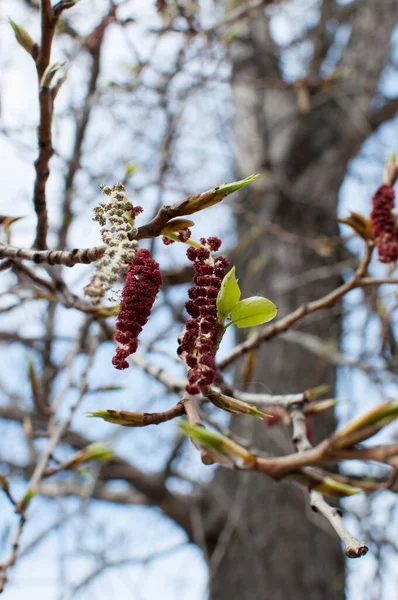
(383, 224)
(203, 332)
(143, 281)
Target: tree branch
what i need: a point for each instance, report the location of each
(68, 258)
(353, 547)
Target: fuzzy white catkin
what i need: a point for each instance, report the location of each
(118, 233)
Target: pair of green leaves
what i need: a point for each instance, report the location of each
(243, 313)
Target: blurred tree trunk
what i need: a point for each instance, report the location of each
(271, 545)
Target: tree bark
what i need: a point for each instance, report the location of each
(271, 545)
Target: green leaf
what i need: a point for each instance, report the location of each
(253, 311)
(229, 294)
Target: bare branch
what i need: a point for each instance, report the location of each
(353, 547)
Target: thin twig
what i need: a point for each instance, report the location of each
(95, 47)
(111, 564)
(10, 562)
(353, 547)
(59, 429)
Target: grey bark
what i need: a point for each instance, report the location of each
(270, 545)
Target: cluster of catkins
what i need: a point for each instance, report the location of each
(383, 224)
(203, 332)
(116, 217)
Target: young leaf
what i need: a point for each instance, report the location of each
(253, 311)
(229, 294)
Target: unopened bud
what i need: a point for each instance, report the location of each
(49, 74)
(96, 451)
(193, 204)
(23, 37)
(121, 417)
(390, 171)
(219, 445)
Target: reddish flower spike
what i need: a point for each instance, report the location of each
(383, 224)
(142, 284)
(203, 332)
